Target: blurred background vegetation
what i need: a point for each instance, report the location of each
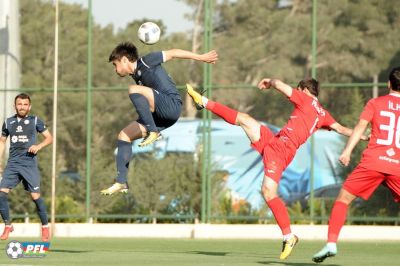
(357, 40)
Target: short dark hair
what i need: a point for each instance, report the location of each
(22, 96)
(394, 79)
(126, 49)
(311, 84)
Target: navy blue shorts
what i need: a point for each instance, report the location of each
(167, 112)
(27, 174)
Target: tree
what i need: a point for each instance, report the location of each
(356, 40)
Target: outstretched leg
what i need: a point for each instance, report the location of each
(250, 126)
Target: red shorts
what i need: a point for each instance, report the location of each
(362, 182)
(277, 153)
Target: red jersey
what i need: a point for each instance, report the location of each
(383, 151)
(307, 116)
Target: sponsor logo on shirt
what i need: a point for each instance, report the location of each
(390, 152)
(389, 160)
(19, 129)
(20, 138)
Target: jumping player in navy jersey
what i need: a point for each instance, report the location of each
(22, 163)
(155, 97)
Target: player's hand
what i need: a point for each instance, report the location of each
(344, 158)
(211, 57)
(366, 138)
(264, 84)
(34, 149)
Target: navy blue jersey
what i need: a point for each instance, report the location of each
(22, 135)
(150, 73)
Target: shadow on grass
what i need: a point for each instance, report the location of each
(70, 251)
(209, 253)
(293, 263)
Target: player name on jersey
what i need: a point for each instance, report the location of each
(394, 106)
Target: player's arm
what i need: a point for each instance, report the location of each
(355, 137)
(210, 57)
(48, 139)
(2, 147)
(345, 131)
(3, 138)
(280, 86)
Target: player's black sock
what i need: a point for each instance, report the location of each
(122, 159)
(4, 209)
(41, 210)
(143, 109)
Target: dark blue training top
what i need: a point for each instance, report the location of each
(150, 73)
(22, 136)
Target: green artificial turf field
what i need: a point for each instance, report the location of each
(165, 252)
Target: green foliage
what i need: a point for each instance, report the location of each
(298, 214)
(254, 39)
(38, 59)
(158, 183)
(374, 207)
(67, 205)
(227, 204)
(347, 112)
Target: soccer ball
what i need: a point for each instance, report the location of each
(149, 33)
(14, 250)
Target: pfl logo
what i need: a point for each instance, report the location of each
(16, 250)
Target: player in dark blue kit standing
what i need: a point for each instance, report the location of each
(22, 163)
(155, 97)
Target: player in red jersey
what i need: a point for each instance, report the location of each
(380, 161)
(278, 150)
